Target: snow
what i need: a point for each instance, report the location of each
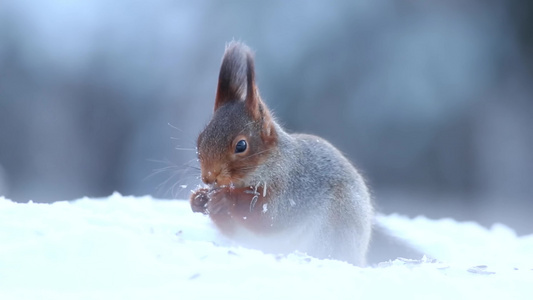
(142, 248)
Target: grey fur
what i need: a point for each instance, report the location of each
(319, 196)
(318, 202)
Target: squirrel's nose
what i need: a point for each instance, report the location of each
(209, 177)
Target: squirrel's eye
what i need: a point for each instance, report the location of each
(240, 147)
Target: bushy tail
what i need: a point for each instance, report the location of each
(384, 247)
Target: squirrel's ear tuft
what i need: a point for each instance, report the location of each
(236, 81)
(234, 72)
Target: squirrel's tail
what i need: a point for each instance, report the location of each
(384, 247)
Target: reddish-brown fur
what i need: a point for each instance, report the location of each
(229, 207)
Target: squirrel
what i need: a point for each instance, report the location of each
(271, 190)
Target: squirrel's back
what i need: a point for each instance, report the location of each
(319, 190)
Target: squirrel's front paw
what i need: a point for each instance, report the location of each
(220, 202)
(199, 199)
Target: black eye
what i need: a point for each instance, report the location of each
(240, 147)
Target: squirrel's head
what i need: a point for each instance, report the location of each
(242, 133)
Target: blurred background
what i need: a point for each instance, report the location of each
(432, 100)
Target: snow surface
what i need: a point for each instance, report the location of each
(141, 248)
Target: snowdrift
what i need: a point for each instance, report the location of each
(141, 248)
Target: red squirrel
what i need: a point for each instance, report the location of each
(271, 190)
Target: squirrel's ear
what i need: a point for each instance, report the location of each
(232, 79)
(253, 101)
(236, 81)
(255, 106)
